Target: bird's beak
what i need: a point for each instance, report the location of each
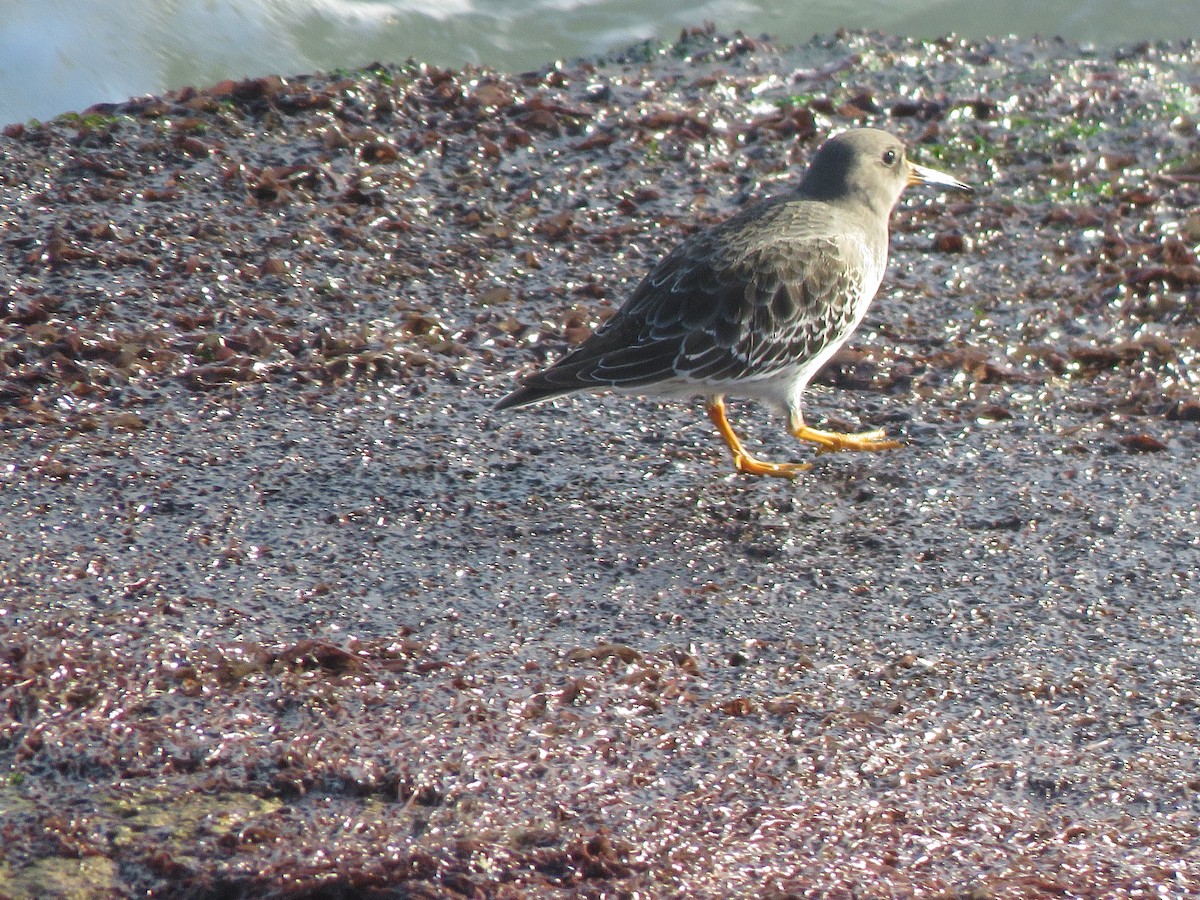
(924, 175)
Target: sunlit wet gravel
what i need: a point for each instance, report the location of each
(288, 612)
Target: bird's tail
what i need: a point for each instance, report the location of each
(540, 386)
(523, 396)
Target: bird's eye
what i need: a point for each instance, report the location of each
(889, 157)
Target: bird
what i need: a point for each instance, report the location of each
(754, 306)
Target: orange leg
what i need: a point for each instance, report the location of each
(742, 460)
(834, 441)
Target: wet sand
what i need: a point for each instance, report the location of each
(287, 611)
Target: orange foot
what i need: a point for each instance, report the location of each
(753, 466)
(743, 461)
(834, 441)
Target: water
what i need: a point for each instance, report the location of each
(68, 54)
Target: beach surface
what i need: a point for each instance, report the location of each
(287, 611)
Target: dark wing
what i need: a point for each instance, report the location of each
(759, 293)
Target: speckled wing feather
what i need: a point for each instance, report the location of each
(763, 292)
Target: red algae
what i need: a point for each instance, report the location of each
(286, 612)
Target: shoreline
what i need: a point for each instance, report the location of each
(287, 610)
